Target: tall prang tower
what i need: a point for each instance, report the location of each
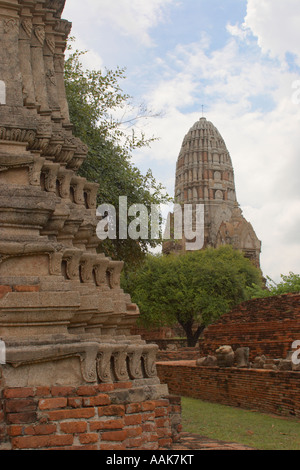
(205, 175)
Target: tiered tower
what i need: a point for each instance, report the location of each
(63, 317)
(205, 175)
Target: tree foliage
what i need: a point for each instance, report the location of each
(290, 284)
(192, 289)
(95, 100)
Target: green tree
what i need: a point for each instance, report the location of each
(290, 284)
(192, 289)
(95, 98)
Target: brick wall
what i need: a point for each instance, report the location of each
(87, 417)
(262, 390)
(182, 354)
(267, 326)
(153, 334)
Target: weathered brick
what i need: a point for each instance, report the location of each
(133, 408)
(40, 429)
(122, 385)
(58, 391)
(114, 436)
(4, 290)
(89, 438)
(148, 416)
(132, 420)
(52, 403)
(21, 418)
(112, 410)
(135, 442)
(42, 392)
(26, 288)
(99, 400)
(73, 427)
(75, 402)
(148, 406)
(107, 424)
(15, 430)
(37, 442)
(102, 388)
(134, 431)
(18, 392)
(87, 390)
(80, 413)
(149, 427)
(162, 422)
(20, 405)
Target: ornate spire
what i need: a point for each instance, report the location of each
(205, 175)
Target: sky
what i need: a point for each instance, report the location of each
(240, 60)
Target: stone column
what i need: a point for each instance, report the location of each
(37, 58)
(51, 78)
(62, 29)
(9, 57)
(25, 58)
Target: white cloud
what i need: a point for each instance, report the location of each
(130, 18)
(91, 60)
(276, 25)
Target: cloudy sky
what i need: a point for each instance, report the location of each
(238, 58)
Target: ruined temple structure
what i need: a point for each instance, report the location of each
(205, 175)
(64, 319)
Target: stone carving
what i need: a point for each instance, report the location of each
(242, 357)
(10, 26)
(259, 362)
(62, 302)
(225, 356)
(209, 361)
(99, 362)
(27, 26)
(39, 31)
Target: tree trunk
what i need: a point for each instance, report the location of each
(192, 337)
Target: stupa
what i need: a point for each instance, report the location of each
(63, 317)
(205, 175)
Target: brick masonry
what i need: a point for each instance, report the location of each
(267, 326)
(256, 389)
(182, 354)
(86, 418)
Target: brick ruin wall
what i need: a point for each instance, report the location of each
(181, 354)
(267, 391)
(267, 326)
(90, 417)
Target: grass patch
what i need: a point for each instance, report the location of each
(225, 423)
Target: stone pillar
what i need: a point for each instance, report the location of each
(26, 30)
(37, 61)
(9, 56)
